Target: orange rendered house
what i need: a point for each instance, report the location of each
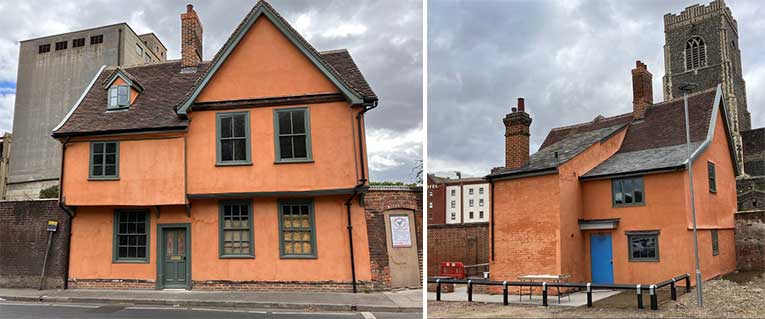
(608, 201)
(244, 172)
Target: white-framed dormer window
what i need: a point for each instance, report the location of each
(119, 97)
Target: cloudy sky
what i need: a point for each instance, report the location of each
(384, 37)
(571, 60)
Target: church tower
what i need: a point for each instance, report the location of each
(701, 46)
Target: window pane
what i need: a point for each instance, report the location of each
(298, 122)
(227, 150)
(617, 192)
(110, 170)
(638, 184)
(627, 190)
(110, 159)
(239, 130)
(98, 148)
(285, 126)
(111, 147)
(98, 170)
(122, 252)
(285, 147)
(226, 127)
(240, 149)
(300, 146)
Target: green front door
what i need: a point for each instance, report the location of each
(174, 258)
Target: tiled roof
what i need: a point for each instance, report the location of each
(566, 148)
(655, 142)
(342, 62)
(164, 85)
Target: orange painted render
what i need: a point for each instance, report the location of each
(265, 64)
(92, 236)
(147, 163)
(537, 231)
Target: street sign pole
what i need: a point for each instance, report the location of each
(688, 87)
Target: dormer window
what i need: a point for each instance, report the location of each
(119, 97)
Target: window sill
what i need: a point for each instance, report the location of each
(129, 261)
(237, 257)
(302, 161)
(117, 109)
(97, 179)
(233, 164)
(298, 257)
(644, 260)
(627, 205)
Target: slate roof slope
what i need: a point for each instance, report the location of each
(658, 142)
(163, 85)
(566, 148)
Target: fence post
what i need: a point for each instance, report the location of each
(673, 290)
(504, 293)
(654, 301)
(470, 290)
(589, 296)
(438, 289)
(687, 283)
(639, 297)
(544, 294)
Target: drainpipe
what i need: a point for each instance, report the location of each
(491, 220)
(68, 212)
(365, 108)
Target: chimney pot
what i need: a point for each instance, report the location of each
(521, 105)
(514, 109)
(189, 7)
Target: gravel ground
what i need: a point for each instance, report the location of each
(722, 299)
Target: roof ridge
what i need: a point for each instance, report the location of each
(335, 51)
(589, 122)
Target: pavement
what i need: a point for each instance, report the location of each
(409, 300)
(573, 300)
(38, 310)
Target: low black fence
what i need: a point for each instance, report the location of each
(588, 287)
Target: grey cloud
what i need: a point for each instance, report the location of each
(571, 61)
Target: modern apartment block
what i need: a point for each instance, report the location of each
(457, 201)
(53, 71)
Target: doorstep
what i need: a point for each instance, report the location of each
(389, 301)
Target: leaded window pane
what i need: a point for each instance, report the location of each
(297, 229)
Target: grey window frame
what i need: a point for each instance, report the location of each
(96, 39)
(277, 135)
(715, 242)
(43, 48)
(218, 146)
(119, 103)
(312, 220)
(642, 234)
(621, 185)
(116, 176)
(712, 177)
(221, 236)
(79, 42)
(61, 45)
(115, 237)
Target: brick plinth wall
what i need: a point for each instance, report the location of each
(111, 284)
(750, 240)
(466, 243)
(319, 286)
(378, 200)
(23, 240)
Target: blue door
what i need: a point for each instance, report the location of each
(601, 259)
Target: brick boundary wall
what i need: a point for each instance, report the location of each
(23, 240)
(750, 240)
(466, 243)
(378, 200)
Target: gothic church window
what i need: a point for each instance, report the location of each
(695, 53)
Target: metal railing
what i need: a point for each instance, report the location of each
(588, 287)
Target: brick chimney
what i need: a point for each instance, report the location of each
(191, 39)
(642, 90)
(517, 134)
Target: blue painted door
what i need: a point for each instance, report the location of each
(601, 259)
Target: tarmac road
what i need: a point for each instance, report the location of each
(33, 310)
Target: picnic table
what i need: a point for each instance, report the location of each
(544, 278)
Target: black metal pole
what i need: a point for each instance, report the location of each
(687, 283)
(673, 290)
(544, 294)
(504, 293)
(350, 243)
(589, 296)
(438, 289)
(470, 290)
(639, 297)
(654, 301)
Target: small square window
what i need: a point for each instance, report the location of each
(471, 215)
(233, 138)
(43, 48)
(480, 214)
(293, 135)
(480, 190)
(480, 202)
(96, 39)
(470, 202)
(470, 191)
(627, 191)
(454, 192)
(643, 246)
(119, 97)
(76, 43)
(61, 45)
(104, 160)
(454, 216)
(454, 204)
